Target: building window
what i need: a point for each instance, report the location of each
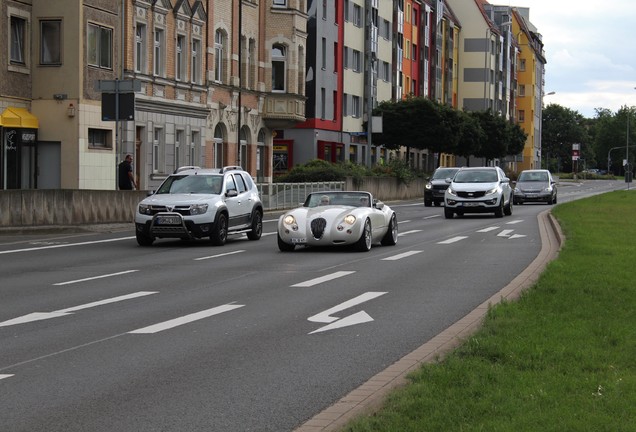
(522, 116)
(159, 52)
(323, 103)
(522, 65)
(157, 143)
(219, 42)
(346, 10)
(522, 90)
(324, 54)
(356, 61)
(140, 48)
(194, 144)
(278, 67)
(355, 108)
(18, 39)
(51, 42)
(100, 46)
(177, 148)
(357, 15)
(99, 138)
(181, 57)
(280, 3)
(196, 61)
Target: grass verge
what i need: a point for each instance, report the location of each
(562, 358)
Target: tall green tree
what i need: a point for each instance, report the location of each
(495, 128)
(612, 132)
(471, 137)
(561, 128)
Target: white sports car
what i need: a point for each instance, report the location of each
(338, 218)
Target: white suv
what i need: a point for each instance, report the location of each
(479, 190)
(198, 202)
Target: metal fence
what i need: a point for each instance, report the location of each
(280, 196)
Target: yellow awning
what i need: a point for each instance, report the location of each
(14, 117)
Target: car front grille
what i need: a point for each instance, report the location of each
(318, 226)
(182, 210)
(477, 194)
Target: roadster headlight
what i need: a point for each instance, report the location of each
(145, 209)
(349, 219)
(198, 209)
(289, 220)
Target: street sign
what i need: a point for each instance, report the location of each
(121, 86)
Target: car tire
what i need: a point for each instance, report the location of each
(499, 212)
(143, 239)
(219, 230)
(366, 238)
(391, 236)
(284, 247)
(257, 226)
(508, 208)
(448, 213)
(428, 203)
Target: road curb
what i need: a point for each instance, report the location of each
(370, 396)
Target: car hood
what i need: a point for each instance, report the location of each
(473, 187)
(179, 199)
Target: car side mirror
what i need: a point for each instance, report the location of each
(231, 193)
(449, 180)
(378, 204)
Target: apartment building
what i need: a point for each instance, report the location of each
(172, 82)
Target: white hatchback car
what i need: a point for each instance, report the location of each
(198, 202)
(479, 190)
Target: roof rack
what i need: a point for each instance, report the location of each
(231, 167)
(186, 167)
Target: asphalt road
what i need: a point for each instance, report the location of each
(98, 334)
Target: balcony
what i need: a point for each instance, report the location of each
(283, 110)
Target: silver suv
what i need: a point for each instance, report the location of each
(479, 190)
(201, 202)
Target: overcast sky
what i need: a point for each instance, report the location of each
(590, 48)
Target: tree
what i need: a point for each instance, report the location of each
(495, 128)
(471, 136)
(516, 138)
(610, 131)
(561, 128)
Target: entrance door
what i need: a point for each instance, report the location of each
(49, 165)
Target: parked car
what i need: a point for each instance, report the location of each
(535, 186)
(478, 190)
(197, 203)
(338, 219)
(436, 186)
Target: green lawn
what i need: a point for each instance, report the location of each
(562, 358)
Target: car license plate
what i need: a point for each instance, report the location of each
(532, 195)
(168, 220)
(470, 204)
(298, 240)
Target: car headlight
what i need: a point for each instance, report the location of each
(289, 220)
(491, 191)
(198, 209)
(349, 219)
(451, 191)
(428, 186)
(548, 189)
(145, 209)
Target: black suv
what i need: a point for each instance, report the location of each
(436, 186)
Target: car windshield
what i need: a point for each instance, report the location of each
(353, 199)
(476, 176)
(533, 177)
(443, 173)
(192, 184)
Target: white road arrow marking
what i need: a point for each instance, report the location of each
(453, 240)
(322, 279)
(505, 233)
(514, 236)
(38, 316)
(3, 376)
(155, 328)
(356, 318)
(400, 256)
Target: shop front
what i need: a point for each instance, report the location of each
(18, 152)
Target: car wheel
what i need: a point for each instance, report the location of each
(391, 236)
(257, 226)
(284, 247)
(448, 213)
(508, 208)
(555, 200)
(143, 239)
(219, 231)
(499, 212)
(428, 203)
(364, 243)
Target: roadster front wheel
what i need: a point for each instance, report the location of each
(364, 243)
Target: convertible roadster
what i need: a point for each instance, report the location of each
(338, 218)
